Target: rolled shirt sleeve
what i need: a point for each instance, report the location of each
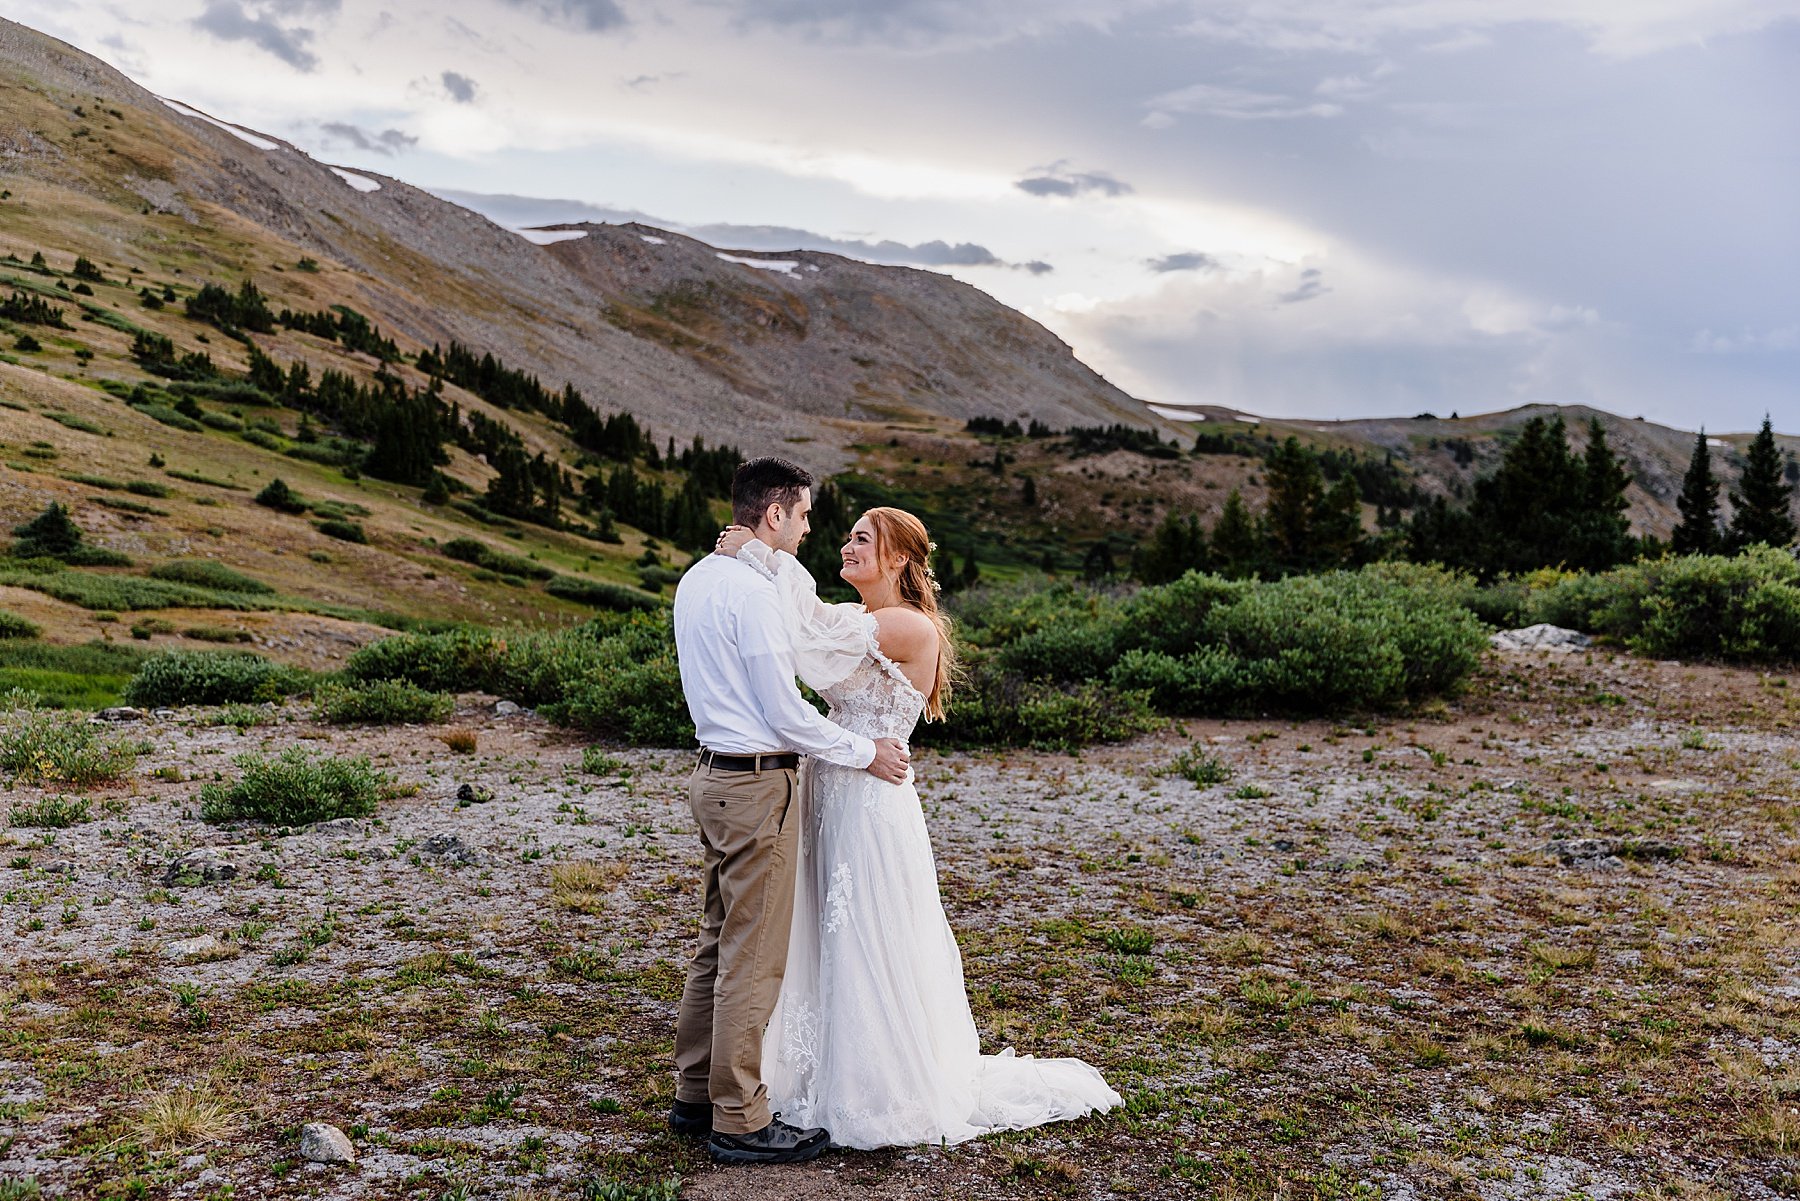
(769, 661)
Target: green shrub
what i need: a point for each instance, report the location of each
(51, 813)
(995, 708)
(147, 488)
(468, 550)
(168, 416)
(463, 660)
(96, 556)
(120, 593)
(264, 439)
(281, 498)
(343, 531)
(51, 534)
(1744, 609)
(194, 477)
(149, 627)
(295, 789)
(208, 573)
(14, 626)
(221, 421)
(70, 421)
(212, 678)
(217, 634)
(43, 745)
(1200, 767)
(600, 594)
(382, 702)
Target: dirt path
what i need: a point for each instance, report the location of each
(1540, 943)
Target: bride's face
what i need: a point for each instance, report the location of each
(862, 565)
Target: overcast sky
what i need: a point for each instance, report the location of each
(1295, 207)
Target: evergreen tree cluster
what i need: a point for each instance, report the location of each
(156, 354)
(1762, 504)
(86, 270)
(233, 313)
(32, 310)
(1102, 439)
(1543, 506)
(345, 326)
(683, 515)
(993, 427)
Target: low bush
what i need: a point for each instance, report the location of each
(458, 659)
(281, 498)
(343, 531)
(148, 488)
(14, 626)
(44, 745)
(996, 708)
(168, 416)
(96, 556)
(213, 678)
(150, 627)
(70, 421)
(195, 477)
(121, 593)
(51, 813)
(221, 421)
(208, 573)
(382, 702)
(126, 505)
(468, 550)
(600, 594)
(1744, 609)
(217, 634)
(295, 789)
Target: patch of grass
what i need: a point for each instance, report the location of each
(51, 813)
(70, 421)
(217, 634)
(295, 789)
(596, 762)
(581, 885)
(468, 550)
(125, 505)
(89, 676)
(121, 593)
(1774, 1128)
(207, 573)
(241, 716)
(1200, 767)
(462, 741)
(194, 477)
(600, 594)
(42, 745)
(382, 702)
(183, 1118)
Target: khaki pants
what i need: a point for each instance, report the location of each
(735, 978)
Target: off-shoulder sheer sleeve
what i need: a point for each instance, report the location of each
(829, 640)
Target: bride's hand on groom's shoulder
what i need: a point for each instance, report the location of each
(731, 540)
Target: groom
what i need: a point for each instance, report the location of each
(737, 670)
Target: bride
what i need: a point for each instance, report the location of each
(872, 1036)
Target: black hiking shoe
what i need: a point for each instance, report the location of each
(777, 1142)
(692, 1118)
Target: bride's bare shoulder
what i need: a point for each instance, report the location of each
(905, 633)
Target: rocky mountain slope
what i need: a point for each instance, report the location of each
(672, 333)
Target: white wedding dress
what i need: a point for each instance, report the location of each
(873, 1038)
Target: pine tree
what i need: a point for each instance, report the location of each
(1237, 547)
(281, 498)
(436, 491)
(50, 534)
(1764, 500)
(1697, 533)
(1028, 494)
(1337, 524)
(1097, 564)
(1177, 547)
(1599, 537)
(1296, 487)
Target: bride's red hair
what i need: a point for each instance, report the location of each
(899, 533)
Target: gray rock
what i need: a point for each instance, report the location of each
(339, 826)
(506, 709)
(321, 1142)
(1541, 637)
(449, 847)
(120, 713)
(473, 794)
(1574, 850)
(189, 948)
(202, 865)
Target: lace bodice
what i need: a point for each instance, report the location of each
(876, 700)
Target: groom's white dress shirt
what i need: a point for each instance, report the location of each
(737, 669)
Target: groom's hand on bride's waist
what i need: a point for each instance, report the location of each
(891, 760)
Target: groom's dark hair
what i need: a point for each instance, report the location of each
(764, 482)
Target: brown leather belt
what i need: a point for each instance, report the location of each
(771, 761)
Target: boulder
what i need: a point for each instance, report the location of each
(321, 1142)
(1541, 637)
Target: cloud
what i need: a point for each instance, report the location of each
(232, 21)
(1055, 180)
(1748, 341)
(1312, 283)
(595, 16)
(1237, 104)
(1187, 260)
(1037, 267)
(388, 141)
(461, 88)
(930, 24)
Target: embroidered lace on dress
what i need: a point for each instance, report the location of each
(873, 1037)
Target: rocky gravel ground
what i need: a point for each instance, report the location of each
(1536, 943)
